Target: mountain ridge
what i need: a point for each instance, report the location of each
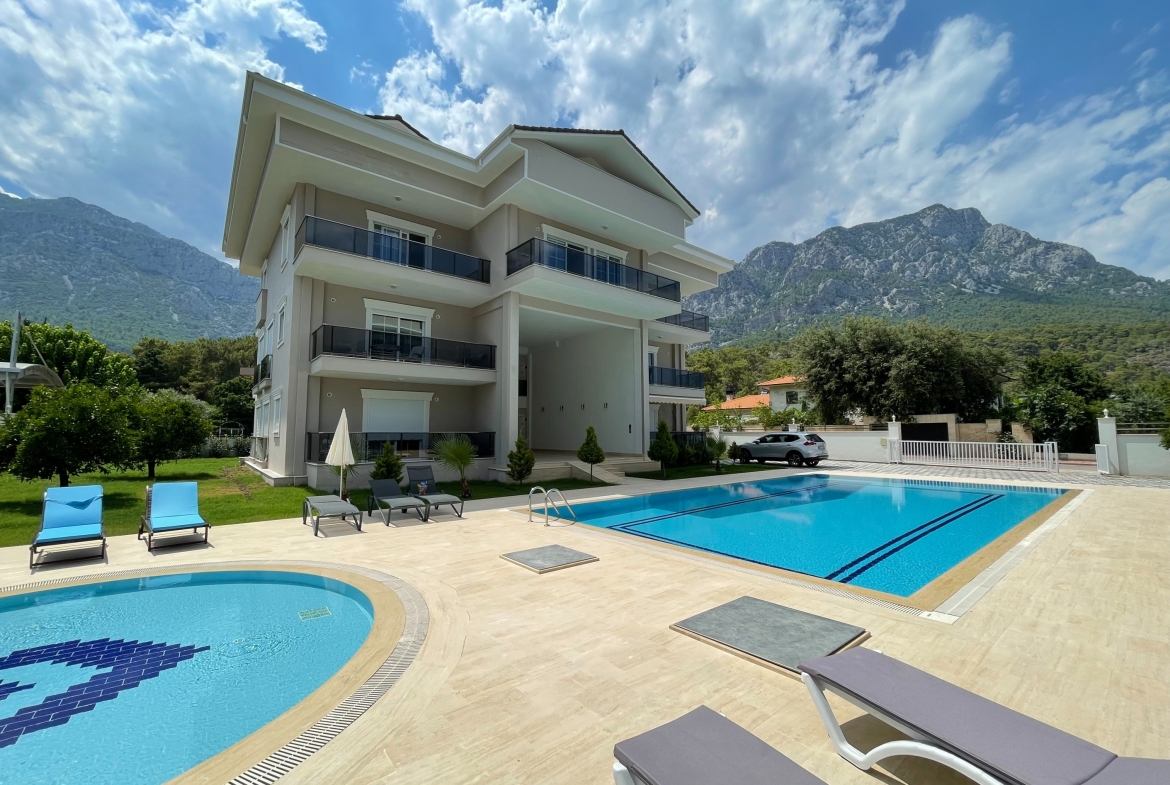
(69, 261)
(947, 265)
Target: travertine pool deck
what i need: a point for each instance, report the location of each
(529, 678)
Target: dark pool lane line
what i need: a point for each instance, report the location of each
(911, 541)
(895, 540)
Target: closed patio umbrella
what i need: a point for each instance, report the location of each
(340, 451)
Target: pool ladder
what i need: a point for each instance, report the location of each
(548, 502)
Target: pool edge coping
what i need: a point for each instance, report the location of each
(323, 727)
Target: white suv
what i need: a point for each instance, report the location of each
(799, 449)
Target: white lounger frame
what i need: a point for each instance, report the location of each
(918, 745)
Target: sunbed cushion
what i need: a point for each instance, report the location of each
(86, 531)
(175, 522)
(400, 501)
(1009, 745)
(1134, 771)
(328, 509)
(703, 748)
(440, 498)
(74, 505)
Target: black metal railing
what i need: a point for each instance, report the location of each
(388, 248)
(409, 446)
(558, 257)
(374, 345)
(695, 321)
(263, 370)
(675, 377)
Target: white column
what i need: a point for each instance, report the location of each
(508, 376)
(642, 385)
(1107, 435)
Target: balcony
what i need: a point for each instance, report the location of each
(688, 319)
(409, 446)
(557, 257)
(334, 236)
(373, 345)
(263, 372)
(675, 377)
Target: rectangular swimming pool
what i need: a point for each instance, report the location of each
(890, 535)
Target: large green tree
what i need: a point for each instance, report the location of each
(195, 367)
(168, 424)
(888, 370)
(1059, 395)
(233, 399)
(74, 354)
(64, 432)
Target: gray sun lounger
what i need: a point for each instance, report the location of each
(386, 496)
(703, 748)
(417, 474)
(982, 740)
(315, 508)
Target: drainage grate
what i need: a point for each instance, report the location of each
(314, 613)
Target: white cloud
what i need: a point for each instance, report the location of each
(132, 107)
(776, 119)
(6, 193)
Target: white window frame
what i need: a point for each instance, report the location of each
(285, 235)
(401, 310)
(266, 416)
(268, 333)
(401, 224)
(280, 328)
(399, 395)
(552, 234)
(277, 400)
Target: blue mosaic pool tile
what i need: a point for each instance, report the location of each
(129, 662)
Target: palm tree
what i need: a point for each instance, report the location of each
(718, 449)
(456, 452)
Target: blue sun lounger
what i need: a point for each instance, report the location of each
(70, 515)
(172, 507)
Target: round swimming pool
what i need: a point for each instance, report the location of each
(136, 681)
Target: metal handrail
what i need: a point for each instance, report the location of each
(548, 501)
(547, 496)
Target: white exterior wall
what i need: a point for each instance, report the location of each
(1142, 455)
(597, 371)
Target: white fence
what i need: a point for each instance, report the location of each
(980, 455)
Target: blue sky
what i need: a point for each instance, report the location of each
(777, 119)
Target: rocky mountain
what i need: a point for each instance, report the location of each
(68, 261)
(947, 265)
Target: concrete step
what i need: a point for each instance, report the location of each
(581, 470)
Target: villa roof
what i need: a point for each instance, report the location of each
(746, 402)
(782, 380)
(397, 118)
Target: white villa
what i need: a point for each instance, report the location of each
(533, 289)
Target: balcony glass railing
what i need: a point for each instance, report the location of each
(674, 377)
(263, 370)
(558, 257)
(390, 249)
(410, 446)
(695, 321)
(352, 342)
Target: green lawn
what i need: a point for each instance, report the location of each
(228, 493)
(687, 472)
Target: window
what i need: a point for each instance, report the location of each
(574, 242)
(285, 238)
(791, 397)
(256, 420)
(276, 414)
(400, 227)
(396, 411)
(280, 325)
(398, 319)
(265, 416)
(268, 338)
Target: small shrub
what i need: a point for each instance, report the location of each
(733, 452)
(590, 451)
(663, 449)
(388, 465)
(521, 461)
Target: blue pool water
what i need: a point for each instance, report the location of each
(136, 681)
(891, 535)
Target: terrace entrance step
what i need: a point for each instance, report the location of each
(581, 469)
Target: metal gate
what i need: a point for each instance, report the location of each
(977, 455)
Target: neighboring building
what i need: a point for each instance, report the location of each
(786, 392)
(533, 289)
(742, 406)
